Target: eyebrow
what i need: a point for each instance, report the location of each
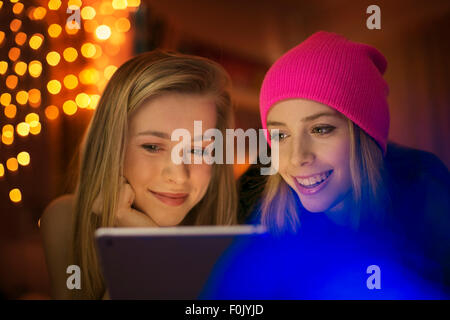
(306, 119)
(158, 134)
(163, 135)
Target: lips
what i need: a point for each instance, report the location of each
(312, 184)
(169, 198)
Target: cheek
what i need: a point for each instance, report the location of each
(201, 176)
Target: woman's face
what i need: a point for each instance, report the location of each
(314, 153)
(166, 191)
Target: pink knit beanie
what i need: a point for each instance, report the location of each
(344, 75)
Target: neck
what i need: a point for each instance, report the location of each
(344, 213)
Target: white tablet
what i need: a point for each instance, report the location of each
(164, 263)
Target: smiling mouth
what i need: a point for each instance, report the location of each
(171, 199)
(313, 181)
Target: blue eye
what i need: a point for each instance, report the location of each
(322, 130)
(153, 148)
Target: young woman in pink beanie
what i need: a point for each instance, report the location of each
(340, 184)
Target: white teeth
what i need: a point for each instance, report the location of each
(312, 180)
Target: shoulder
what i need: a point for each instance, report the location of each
(56, 233)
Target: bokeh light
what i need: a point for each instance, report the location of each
(23, 158)
(54, 86)
(3, 67)
(35, 127)
(22, 97)
(89, 76)
(54, 30)
(119, 4)
(70, 107)
(70, 81)
(83, 100)
(20, 38)
(103, 32)
(122, 24)
(88, 13)
(54, 4)
(70, 54)
(35, 68)
(53, 58)
(36, 41)
(10, 111)
(31, 117)
(109, 71)
(15, 195)
(15, 25)
(23, 129)
(14, 53)
(11, 81)
(12, 164)
(34, 97)
(52, 112)
(2, 170)
(18, 8)
(88, 50)
(5, 99)
(20, 68)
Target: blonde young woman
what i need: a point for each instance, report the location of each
(350, 199)
(127, 177)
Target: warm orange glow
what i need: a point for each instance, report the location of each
(51, 112)
(20, 68)
(112, 49)
(15, 195)
(3, 67)
(11, 81)
(54, 4)
(88, 13)
(10, 111)
(70, 107)
(83, 100)
(106, 8)
(109, 71)
(17, 8)
(35, 127)
(2, 170)
(54, 30)
(36, 41)
(2, 37)
(88, 50)
(21, 38)
(133, 3)
(90, 25)
(89, 76)
(103, 32)
(118, 38)
(23, 158)
(35, 68)
(39, 13)
(23, 129)
(53, 58)
(14, 53)
(54, 86)
(94, 101)
(12, 164)
(70, 81)
(5, 99)
(15, 25)
(34, 97)
(119, 4)
(70, 54)
(122, 24)
(22, 97)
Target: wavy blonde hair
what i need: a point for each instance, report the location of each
(279, 206)
(145, 76)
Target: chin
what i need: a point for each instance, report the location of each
(314, 205)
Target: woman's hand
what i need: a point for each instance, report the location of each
(126, 215)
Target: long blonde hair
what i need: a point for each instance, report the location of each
(102, 153)
(280, 205)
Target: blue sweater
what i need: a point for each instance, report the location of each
(407, 254)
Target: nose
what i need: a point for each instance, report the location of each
(301, 151)
(175, 173)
